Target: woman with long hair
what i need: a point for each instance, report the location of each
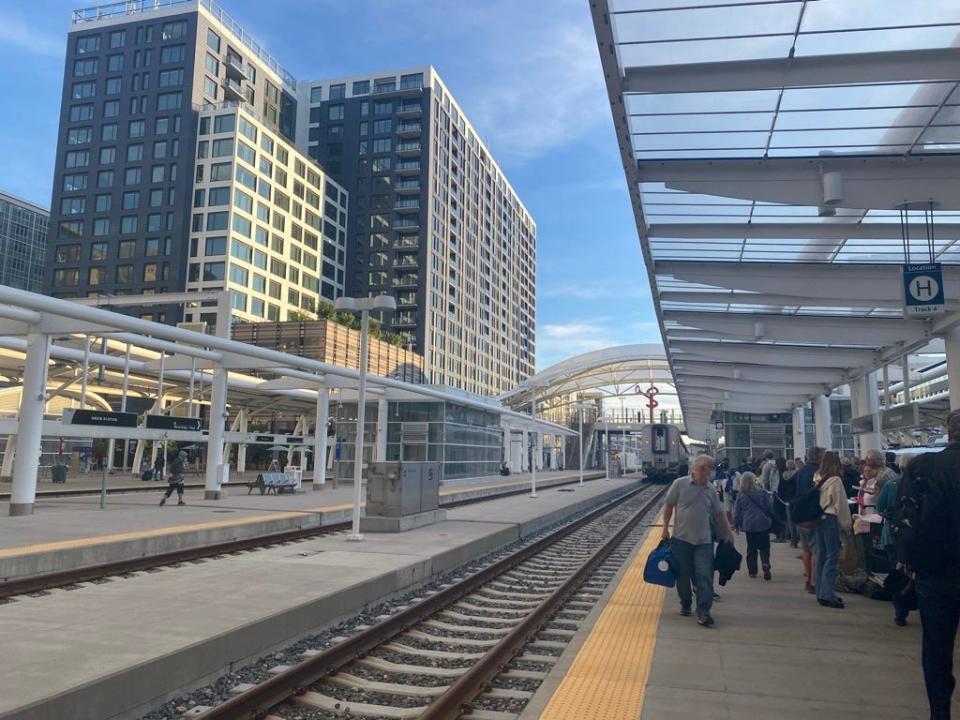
(836, 517)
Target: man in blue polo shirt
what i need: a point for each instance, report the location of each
(694, 506)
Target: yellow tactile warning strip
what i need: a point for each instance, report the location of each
(174, 529)
(608, 678)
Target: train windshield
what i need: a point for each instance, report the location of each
(660, 436)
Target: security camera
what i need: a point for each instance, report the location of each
(828, 392)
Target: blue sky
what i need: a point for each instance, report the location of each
(526, 72)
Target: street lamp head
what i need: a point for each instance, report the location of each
(351, 304)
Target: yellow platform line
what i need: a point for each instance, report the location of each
(215, 524)
(608, 678)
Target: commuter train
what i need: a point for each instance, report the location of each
(662, 453)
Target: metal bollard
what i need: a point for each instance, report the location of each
(103, 490)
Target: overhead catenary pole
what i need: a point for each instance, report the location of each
(536, 445)
(361, 418)
(320, 439)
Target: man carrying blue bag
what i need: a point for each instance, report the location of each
(659, 569)
(695, 508)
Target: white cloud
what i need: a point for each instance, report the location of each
(16, 32)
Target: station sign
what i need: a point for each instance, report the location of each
(170, 422)
(923, 290)
(100, 418)
(902, 417)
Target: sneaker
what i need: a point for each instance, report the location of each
(163, 502)
(181, 502)
(835, 603)
(766, 573)
(716, 597)
(753, 575)
(685, 612)
(706, 620)
(810, 589)
(900, 622)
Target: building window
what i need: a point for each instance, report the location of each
(131, 200)
(108, 132)
(153, 222)
(411, 82)
(74, 183)
(159, 149)
(85, 66)
(217, 220)
(337, 92)
(172, 54)
(169, 101)
(79, 136)
(82, 90)
(124, 274)
(132, 176)
(128, 224)
(215, 246)
(382, 145)
(68, 253)
(213, 271)
(114, 63)
(105, 179)
(128, 248)
(88, 44)
(220, 171)
(335, 112)
(135, 152)
(316, 94)
(104, 202)
(361, 87)
(150, 272)
(98, 251)
(67, 277)
(383, 107)
(171, 78)
(101, 227)
(219, 196)
(96, 276)
(213, 40)
(136, 128)
(77, 158)
(222, 148)
(81, 112)
(383, 126)
(117, 39)
(111, 108)
(173, 30)
(114, 85)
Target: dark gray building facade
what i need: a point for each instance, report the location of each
(134, 79)
(23, 243)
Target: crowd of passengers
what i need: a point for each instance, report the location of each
(852, 543)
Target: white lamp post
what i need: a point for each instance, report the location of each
(536, 445)
(363, 306)
(580, 407)
(606, 446)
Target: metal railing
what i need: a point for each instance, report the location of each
(136, 7)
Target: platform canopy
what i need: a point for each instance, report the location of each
(614, 372)
(771, 148)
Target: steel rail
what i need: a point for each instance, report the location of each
(46, 581)
(455, 701)
(255, 703)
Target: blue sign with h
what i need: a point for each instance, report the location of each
(922, 290)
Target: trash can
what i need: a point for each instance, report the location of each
(59, 473)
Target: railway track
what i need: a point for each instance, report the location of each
(476, 648)
(34, 584)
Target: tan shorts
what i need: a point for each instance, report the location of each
(808, 538)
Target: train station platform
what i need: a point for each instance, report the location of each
(73, 532)
(107, 650)
(773, 653)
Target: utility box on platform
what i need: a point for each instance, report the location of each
(402, 496)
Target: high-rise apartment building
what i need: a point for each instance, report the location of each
(23, 243)
(139, 79)
(433, 221)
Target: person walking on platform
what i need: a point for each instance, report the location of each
(926, 523)
(753, 516)
(158, 466)
(806, 536)
(694, 506)
(836, 518)
(885, 503)
(176, 479)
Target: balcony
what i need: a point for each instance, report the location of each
(407, 205)
(407, 187)
(408, 167)
(407, 299)
(406, 261)
(235, 67)
(409, 129)
(407, 280)
(407, 242)
(405, 319)
(409, 148)
(403, 223)
(233, 90)
(410, 109)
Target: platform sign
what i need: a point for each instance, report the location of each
(923, 290)
(862, 424)
(169, 422)
(101, 418)
(901, 417)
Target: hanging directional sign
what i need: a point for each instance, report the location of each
(73, 416)
(923, 290)
(171, 422)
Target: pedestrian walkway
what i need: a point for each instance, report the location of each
(774, 653)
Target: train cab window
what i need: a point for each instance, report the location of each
(659, 439)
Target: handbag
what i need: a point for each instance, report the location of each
(776, 527)
(660, 567)
(805, 510)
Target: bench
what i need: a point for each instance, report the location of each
(275, 481)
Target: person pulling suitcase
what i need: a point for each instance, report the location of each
(176, 479)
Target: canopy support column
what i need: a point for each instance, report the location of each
(320, 439)
(33, 400)
(213, 489)
(799, 432)
(821, 421)
(952, 344)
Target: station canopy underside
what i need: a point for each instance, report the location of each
(770, 148)
(614, 371)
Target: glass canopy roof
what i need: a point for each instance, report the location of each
(771, 149)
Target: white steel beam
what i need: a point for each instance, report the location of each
(928, 65)
(773, 355)
(869, 181)
(761, 373)
(797, 231)
(730, 297)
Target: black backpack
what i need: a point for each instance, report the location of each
(805, 510)
(925, 517)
